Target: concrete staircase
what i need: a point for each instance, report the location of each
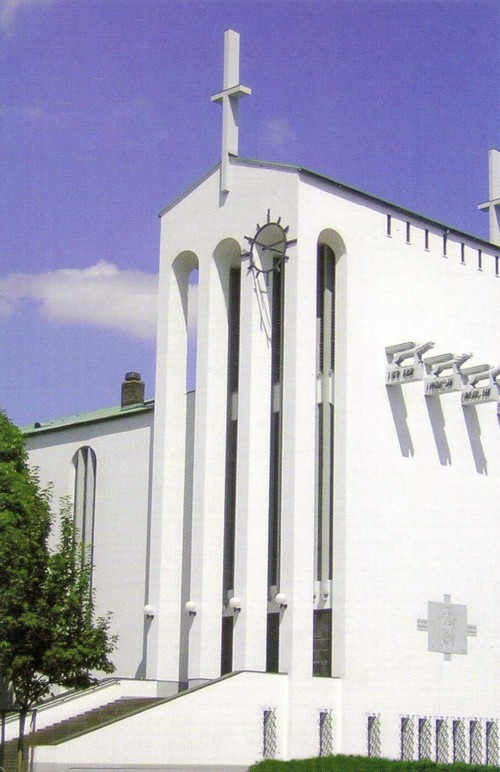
(78, 725)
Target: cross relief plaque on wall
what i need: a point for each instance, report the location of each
(446, 627)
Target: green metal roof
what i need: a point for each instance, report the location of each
(106, 414)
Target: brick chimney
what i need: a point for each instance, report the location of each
(132, 390)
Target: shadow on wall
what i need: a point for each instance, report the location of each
(474, 432)
(399, 416)
(437, 421)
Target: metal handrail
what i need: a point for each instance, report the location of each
(66, 697)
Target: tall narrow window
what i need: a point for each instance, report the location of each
(325, 366)
(480, 259)
(231, 448)
(408, 232)
(277, 288)
(85, 465)
(389, 225)
(426, 239)
(445, 244)
(462, 253)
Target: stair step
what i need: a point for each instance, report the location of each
(78, 725)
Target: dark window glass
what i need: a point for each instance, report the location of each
(273, 643)
(322, 643)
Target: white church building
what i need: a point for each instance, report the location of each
(301, 555)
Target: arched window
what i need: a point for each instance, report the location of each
(227, 259)
(85, 465)
(325, 366)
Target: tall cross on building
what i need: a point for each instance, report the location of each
(230, 95)
(493, 205)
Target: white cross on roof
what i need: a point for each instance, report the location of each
(229, 97)
(493, 205)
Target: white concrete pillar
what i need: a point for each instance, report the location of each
(299, 482)
(298, 460)
(167, 516)
(252, 491)
(209, 472)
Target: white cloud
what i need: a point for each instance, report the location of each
(10, 8)
(100, 295)
(23, 112)
(279, 134)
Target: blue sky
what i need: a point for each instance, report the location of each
(105, 117)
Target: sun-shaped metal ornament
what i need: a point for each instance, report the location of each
(268, 247)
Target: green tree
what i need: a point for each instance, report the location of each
(49, 634)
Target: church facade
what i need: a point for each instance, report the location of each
(301, 555)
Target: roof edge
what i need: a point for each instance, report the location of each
(279, 166)
(81, 419)
(376, 199)
(189, 190)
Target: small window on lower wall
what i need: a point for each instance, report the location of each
(322, 643)
(273, 643)
(226, 659)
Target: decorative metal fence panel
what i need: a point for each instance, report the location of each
(441, 741)
(459, 741)
(424, 738)
(475, 742)
(325, 733)
(492, 743)
(374, 736)
(269, 733)
(407, 739)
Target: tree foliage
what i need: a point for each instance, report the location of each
(49, 634)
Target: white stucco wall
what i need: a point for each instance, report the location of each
(123, 450)
(418, 479)
(201, 727)
(415, 499)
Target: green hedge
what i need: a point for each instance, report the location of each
(364, 764)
